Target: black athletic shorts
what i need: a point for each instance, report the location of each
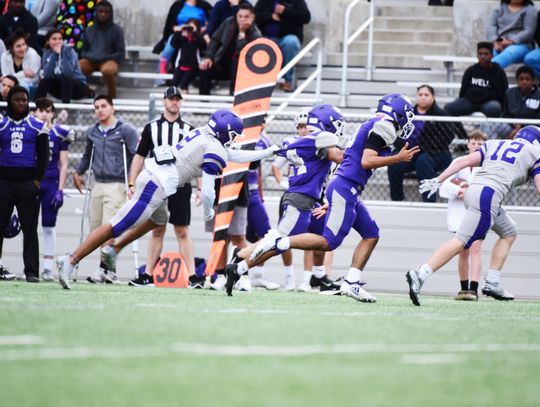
(179, 205)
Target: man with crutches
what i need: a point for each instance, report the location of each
(105, 143)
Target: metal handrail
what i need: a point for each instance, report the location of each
(347, 40)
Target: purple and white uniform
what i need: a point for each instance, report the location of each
(309, 168)
(59, 139)
(257, 216)
(346, 210)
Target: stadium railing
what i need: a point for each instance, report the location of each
(347, 40)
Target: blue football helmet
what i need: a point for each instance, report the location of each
(225, 125)
(326, 118)
(529, 133)
(399, 109)
(13, 228)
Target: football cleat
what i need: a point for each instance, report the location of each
(324, 283)
(304, 287)
(98, 277)
(244, 284)
(355, 291)
(415, 285)
(219, 283)
(266, 244)
(144, 280)
(111, 277)
(231, 273)
(108, 257)
(496, 291)
(466, 295)
(65, 268)
(262, 283)
(5, 274)
(196, 282)
(47, 275)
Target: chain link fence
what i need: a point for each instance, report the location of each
(441, 140)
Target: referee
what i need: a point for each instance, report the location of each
(168, 129)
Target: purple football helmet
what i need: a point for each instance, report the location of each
(326, 118)
(13, 228)
(225, 125)
(399, 109)
(529, 133)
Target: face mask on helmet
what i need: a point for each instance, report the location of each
(529, 133)
(399, 109)
(13, 228)
(225, 126)
(327, 118)
(301, 118)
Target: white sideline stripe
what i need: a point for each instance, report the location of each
(430, 359)
(203, 349)
(20, 340)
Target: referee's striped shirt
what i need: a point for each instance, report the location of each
(160, 132)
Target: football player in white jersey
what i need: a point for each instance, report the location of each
(505, 164)
(203, 152)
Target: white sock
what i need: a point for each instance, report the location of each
(49, 241)
(307, 276)
(289, 270)
(318, 271)
(424, 271)
(353, 275)
(48, 264)
(494, 276)
(258, 272)
(284, 243)
(242, 267)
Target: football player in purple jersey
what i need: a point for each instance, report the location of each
(51, 192)
(367, 150)
(24, 154)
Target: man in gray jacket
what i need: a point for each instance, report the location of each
(104, 47)
(106, 139)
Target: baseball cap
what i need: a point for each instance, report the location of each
(172, 91)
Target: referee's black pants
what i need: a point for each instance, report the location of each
(22, 195)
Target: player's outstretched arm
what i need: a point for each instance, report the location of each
(244, 156)
(372, 160)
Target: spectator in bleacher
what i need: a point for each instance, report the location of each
(432, 137)
(221, 57)
(189, 44)
(62, 76)
(104, 47)
(179, 13)
(8, 82)
(283, 21)
(106, 139)
(510, 29)
(483, 86)
(532, 58)
(22, 61)
(45, 13)
(522, 101)
(73, 21)
(18, 18)
(222, 10)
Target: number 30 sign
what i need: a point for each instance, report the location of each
(171, 271)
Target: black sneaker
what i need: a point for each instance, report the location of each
(6, 275)
(196, 282)
(144, 280)
(32, 279)
(324, 283)
(231, 272)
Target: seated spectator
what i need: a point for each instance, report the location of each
(62, 76)
(522, 101)
(103, 47)
(223, 9)
(16, 19)
(433, 139)
(45, 13)
(179, 14)
(510, 29)
(73, 21)
(532, 58)
(188, 43)
(221, 57)
(8, 82)
(483, 86)
(22, 62)
(283, 22)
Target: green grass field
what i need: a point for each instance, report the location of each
(120, 346)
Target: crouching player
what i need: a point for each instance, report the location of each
(203, 152)
(367, 150)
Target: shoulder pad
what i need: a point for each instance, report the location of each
(326, 139)
(65, 133)
(36, 124)
(386, 130)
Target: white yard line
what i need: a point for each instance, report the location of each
(412, 353)
(20, 340)
(430, 359)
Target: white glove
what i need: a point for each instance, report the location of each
(273, 148)
(429, 185)
(209, 215)
(284, 183)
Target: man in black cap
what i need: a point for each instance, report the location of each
(168, 129)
